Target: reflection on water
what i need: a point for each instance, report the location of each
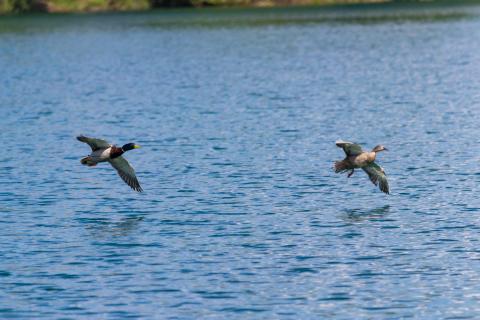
(361, 214)
(5, 209)
(240, 18)
(242, 216)
(307, 17)
(105, 227)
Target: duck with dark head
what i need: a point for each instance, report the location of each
(116, 151)
(103, 151)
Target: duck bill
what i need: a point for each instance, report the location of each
(136, 146)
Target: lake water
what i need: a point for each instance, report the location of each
(237, 112)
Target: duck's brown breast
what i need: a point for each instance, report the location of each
(363, 159)
(115, 152)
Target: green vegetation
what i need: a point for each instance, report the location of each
(95, 5)
(14, 6)
(7, 6)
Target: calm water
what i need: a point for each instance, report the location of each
(242, 217)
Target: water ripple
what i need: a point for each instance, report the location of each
(242, 216)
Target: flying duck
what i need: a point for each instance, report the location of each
(357, 158)
(103, 151)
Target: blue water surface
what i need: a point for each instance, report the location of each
(237, 112)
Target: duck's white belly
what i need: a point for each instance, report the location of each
(101, 155)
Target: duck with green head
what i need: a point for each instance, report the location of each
(357, 158)
(103, 151)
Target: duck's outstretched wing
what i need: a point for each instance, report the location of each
(350, 148)
(126, 172)
(377, 176)
(95, 144)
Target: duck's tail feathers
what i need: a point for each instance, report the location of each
(341, 166)
(87, 161)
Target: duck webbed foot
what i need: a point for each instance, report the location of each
(351, 172)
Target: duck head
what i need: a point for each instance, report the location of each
(130, 146)
(379, 148)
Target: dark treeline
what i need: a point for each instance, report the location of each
(14, 6)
